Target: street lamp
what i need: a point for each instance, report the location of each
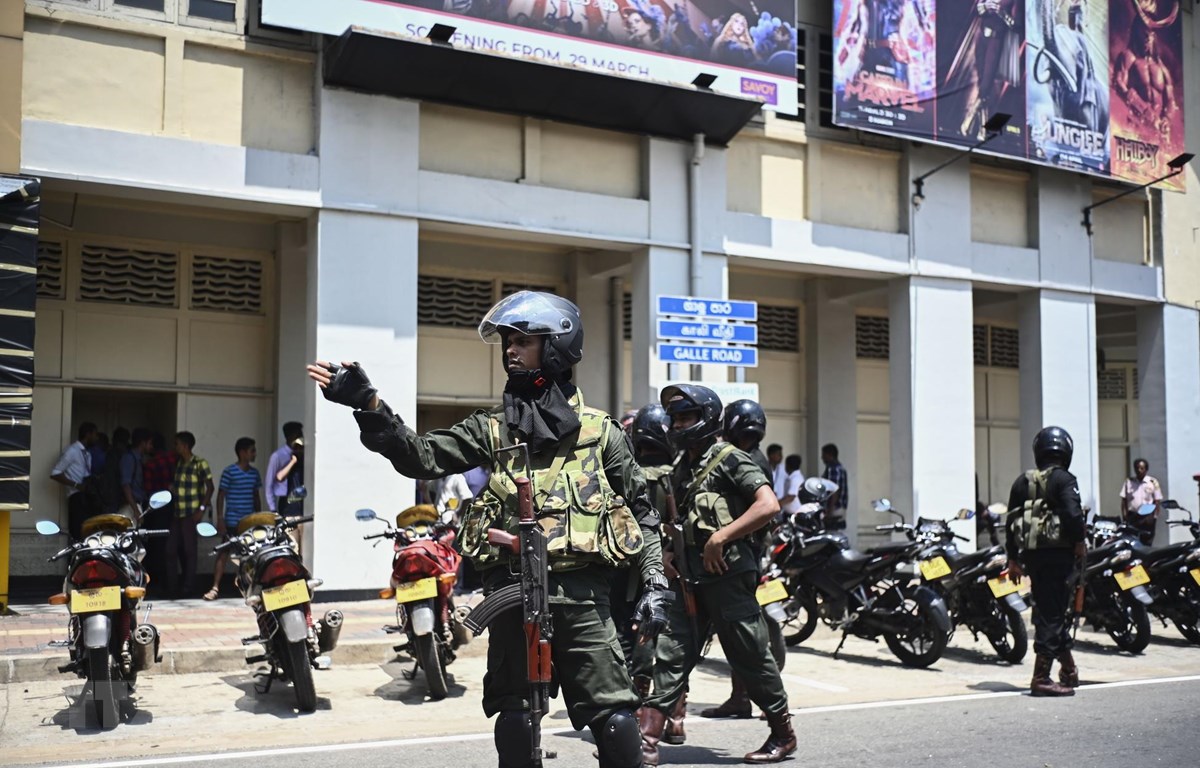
(440, 34)
(992, 128)
(1176, 164)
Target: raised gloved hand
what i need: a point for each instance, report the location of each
(349, 385)
(650, 614)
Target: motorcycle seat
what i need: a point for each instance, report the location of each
(1159, 554)
(969, 559)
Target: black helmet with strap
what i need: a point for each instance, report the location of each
(1053, 445)
(535, 313)
(689, 398)
(744, 419)
(650, 431)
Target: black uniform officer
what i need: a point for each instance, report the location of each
(592, 508)
(1045, 538)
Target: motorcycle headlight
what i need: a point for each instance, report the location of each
(997, 561)
(1121, 556)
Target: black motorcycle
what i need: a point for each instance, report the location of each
(276, 584)
(862, 594)
(104, 586)
(976, 588)
(1115, 597)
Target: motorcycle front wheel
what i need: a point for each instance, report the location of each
(1133, 633)
(100, 693)
(430, 659)
(1012, 642)
(923, 644)
(301, 672)
(801, 609)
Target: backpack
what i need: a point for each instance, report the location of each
(706, 511)
(1036, 525)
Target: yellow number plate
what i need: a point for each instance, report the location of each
(1134, 577)
(292, 593)
(416, 590)
(93, 600)
(935, 569)
(1196, 574)
(1002, 586)
(771, 592)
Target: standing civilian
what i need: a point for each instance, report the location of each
(240, 495)
(193, 497)
(778, 471)
(1137, 491)
(70, 471)
(285, 468)
(452, 498)
(839, 502)
(99, 452)
(790, 502)
(158, 472)
(133, 478)
(110, 479)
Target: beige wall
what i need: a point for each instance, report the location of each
(766, 176)
(167, 80)
(854, 186)
(999, 206)
(1120, 228)
(12, 30)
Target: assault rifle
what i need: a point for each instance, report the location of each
(682, 567)
(532, 596)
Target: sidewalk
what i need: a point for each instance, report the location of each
(197, 635)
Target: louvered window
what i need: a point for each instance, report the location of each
(871, 337)
(227, 285)
(1111, 384)
(1006, 348)
(627, 316)
(778, 328)
(814, 79)
(979, 344)
(1137, 384)
(452, 302)
(50, 270)
(508, 289)
(128, 276)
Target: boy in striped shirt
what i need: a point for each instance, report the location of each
(240, 495)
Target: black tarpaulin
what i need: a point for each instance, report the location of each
(20, 204)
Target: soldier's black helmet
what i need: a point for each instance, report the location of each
(686, 398)
(744, 418)
(1050, 443)
(650, 431)
(534, 313)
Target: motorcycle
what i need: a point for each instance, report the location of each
(976, 589)
(1115, 598)
(275, 583)
(424, 572)
(103, 589)
(862, 594)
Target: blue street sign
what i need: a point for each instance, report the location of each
(723, 308)
(695, 354)
(701, 331)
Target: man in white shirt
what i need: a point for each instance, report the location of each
(778, 473)
(453, 488)
(71, 470)
(793, 482)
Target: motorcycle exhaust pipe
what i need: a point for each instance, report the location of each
(144, 647)
(329, 631)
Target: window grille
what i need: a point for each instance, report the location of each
(452, 302)
(227, 285)
(508, 289)
(979, 341)
(627, 316)
(50, 270)
(1006, 348)
(778, 328)
(128, 276)
(1137, 384)
(213, 10)
(871, 337)
(1111, 384)
(825, 81)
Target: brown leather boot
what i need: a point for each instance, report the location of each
(652, 722)
(1068, 673)
(641, 683)
(780, 744)
(1042, 685)
(737, 705)
(675, 733)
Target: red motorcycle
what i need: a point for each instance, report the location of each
(424, 572)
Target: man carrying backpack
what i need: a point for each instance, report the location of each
(1044, 538)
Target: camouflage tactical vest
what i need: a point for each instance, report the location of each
(583, 520)
(657, 479)
(1037, 525)
(707, 511)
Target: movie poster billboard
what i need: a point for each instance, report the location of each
(749, 45)
(1146, 43)
(885, 65)
(1094, 86)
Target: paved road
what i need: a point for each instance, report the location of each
(860, 709)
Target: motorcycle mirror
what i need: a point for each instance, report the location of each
(1169, 504)
(160, 499)
(965, 514)
(365, 514)
(882, 505)
(47, 528)
(206, 530)
(1146, 510)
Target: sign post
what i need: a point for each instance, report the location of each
(704, 331)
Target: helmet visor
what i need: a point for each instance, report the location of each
(527, 312)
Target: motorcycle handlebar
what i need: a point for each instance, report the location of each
(961, 538)
(292, 522)
(225, 546)
(375, 536)
(60, 555)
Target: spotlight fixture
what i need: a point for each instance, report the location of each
(440, 34)
(1176, 164)
(994, 125)
(704, 81)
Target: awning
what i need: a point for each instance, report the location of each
(376, 62)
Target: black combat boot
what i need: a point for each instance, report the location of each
(675, 733)
(780, 744)
(1068, 673)
(737, 705)
(1042, 685)
(651, 722)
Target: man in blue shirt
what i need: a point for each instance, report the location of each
(240, 495)
(839, 502)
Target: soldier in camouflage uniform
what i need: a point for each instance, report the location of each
(590, 499)
(724, 498)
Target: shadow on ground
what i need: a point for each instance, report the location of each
(279, 701)
(415, 690)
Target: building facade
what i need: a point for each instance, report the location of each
(215, 215)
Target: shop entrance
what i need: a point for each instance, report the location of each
(112, 408)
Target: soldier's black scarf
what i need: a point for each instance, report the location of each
(537, 408)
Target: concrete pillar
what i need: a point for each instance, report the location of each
(362, 288)
(1169, 402)
(291, 386)
(1058, 380)
(831, 405)
(932, 398)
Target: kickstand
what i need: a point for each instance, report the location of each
(839, 648)
(265, 688)
(410, 675)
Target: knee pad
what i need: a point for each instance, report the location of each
(514, 735)
(619, 741)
